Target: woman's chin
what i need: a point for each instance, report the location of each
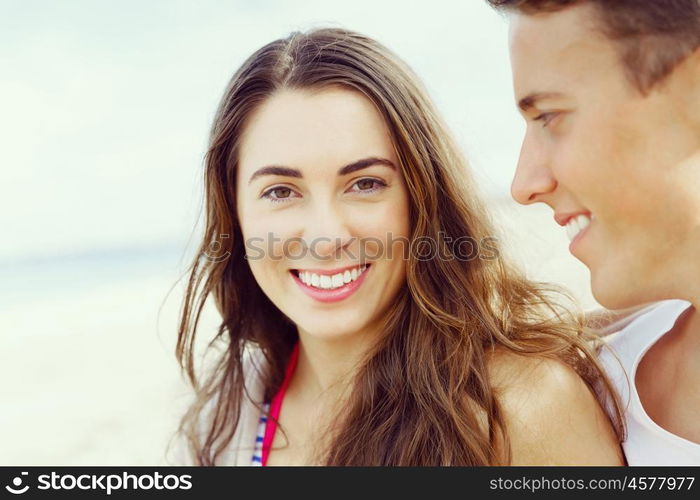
(333, 329)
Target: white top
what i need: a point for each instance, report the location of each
(647, 443)
(243, 444)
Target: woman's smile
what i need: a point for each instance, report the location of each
(333, 285)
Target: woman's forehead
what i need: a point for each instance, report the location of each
(303, 129)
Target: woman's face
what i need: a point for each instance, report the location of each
(320, 195)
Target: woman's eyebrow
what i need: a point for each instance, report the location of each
(364, 163)
(275, 170)
(347, 169)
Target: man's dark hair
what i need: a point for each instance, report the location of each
(653, 36)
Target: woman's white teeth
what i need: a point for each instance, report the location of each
(330, 282)
(576, 225)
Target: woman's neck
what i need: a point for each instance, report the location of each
(326, 366)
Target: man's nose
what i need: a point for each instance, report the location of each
(533, 178)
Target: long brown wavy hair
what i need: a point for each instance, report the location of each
(422, 396)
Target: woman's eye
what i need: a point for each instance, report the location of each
(369, 185)
(278, 194)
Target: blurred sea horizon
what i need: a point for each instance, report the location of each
(106, 113)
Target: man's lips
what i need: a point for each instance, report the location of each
(563, 218)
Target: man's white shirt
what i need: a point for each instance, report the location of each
(646, 442)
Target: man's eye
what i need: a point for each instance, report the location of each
(546, 118)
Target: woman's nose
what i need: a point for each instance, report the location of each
(327, 232)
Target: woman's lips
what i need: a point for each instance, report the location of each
(334, 294)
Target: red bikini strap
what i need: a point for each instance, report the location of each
(276, 404)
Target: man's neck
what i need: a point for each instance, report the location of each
(687, 332)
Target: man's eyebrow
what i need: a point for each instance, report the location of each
(530, 100)
(347, 169)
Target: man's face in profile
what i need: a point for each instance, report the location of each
(612, 163)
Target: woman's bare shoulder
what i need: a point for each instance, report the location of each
(551, 415)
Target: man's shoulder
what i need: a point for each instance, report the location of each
(638, 334)
(622, 351)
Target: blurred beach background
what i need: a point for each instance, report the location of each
(106, 108)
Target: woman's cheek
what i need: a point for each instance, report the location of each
(270, 234)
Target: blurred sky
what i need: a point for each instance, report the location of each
(105, 106)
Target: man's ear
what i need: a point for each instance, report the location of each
(695, 63)
(683, 84)
(696, 57)
(693, 102)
